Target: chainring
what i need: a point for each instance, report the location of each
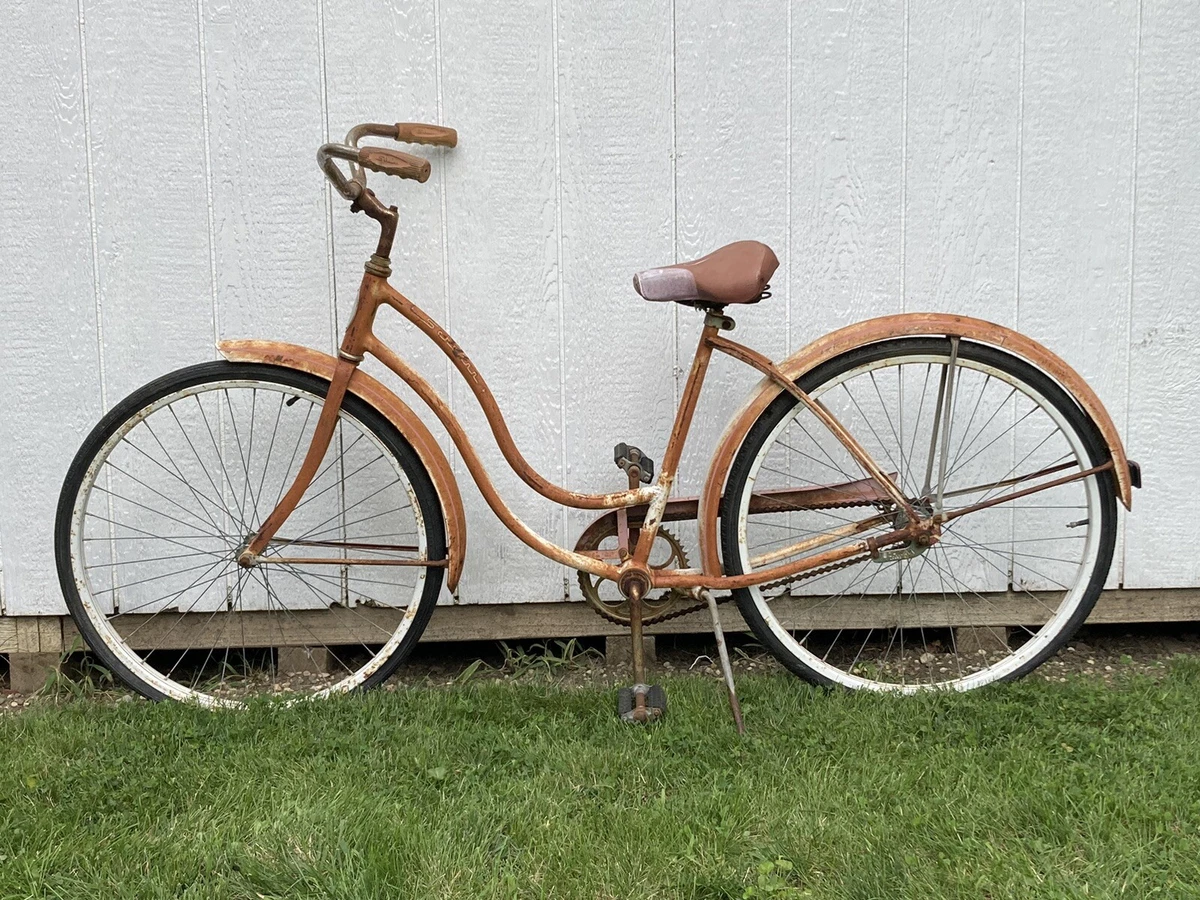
(657, 606)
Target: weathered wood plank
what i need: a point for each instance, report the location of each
(1077, 139)
(731, 147)
(391, 77)
(962, 174)
(265, 123)
(498, 89)
(478, 622)
(847, 147)
(48, 365)
(962, 166)
(28, 635)
(1164, 412)
(152, 240)
(614, 137)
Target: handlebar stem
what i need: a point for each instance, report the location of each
(386, 216)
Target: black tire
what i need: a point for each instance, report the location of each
(811, 382)
(422, 487)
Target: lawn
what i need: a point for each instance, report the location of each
(529, 789)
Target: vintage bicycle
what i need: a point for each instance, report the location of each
(914, 502)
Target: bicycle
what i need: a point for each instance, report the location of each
(912, 475)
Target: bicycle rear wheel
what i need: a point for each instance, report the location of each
(1002, 589)
(167, 490)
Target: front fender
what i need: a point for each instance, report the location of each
(873, 331)
(314, 362)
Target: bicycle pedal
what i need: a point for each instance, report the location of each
(625, 456)
(652, 705)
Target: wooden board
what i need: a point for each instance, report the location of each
(847, 153)
(502, 209)
(51, 391)
(545, 620)
(731, 174)
(266, 119)
(151, 193)
(1164, 379)
(613, 142)
(1077, 140)
(1034, 165)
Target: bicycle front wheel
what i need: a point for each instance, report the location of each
(168, 489)
(956, 426)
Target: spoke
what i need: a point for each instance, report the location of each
(221, 459)
(169, 597)
(206, 520)
(339, 483)
(976, 547)
(129, 584)
(150, 509)
(912, 445)
(948, 572)
(866, 419)
(128, 441)
(313, 533)
(203, 467)
(146, 559)
(834, 468)
(149, 534)
(992, 442)
(272, 595)
(271, 448)
(283, 483)
(323, 595)
(250, 519)
(967, 428)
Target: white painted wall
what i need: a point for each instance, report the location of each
(1036, 164)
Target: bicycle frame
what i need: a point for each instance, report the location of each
(360, 340)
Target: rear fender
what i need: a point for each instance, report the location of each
(362, 385)
(873, 331)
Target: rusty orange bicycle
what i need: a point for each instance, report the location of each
(944, 484)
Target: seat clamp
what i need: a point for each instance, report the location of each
(719, 320)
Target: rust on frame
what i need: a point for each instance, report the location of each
(873, 331)
(362, 385)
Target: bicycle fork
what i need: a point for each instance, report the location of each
(350, 354)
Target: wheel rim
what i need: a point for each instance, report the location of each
(171, 498)
(925, 655)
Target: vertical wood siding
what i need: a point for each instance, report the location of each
(1035, 164)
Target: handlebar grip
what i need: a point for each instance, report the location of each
(393, 162)
(416, 133)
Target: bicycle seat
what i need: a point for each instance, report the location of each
(737, 273)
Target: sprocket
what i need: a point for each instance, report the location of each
(657, 606)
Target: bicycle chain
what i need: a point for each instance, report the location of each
(697, 607)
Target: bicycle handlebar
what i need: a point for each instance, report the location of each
(416, 133)
(393, 162)
(379, 159)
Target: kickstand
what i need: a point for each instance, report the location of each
(723, 652)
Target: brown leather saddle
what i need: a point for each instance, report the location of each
(737, 273)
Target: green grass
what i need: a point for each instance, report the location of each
(531, 790)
